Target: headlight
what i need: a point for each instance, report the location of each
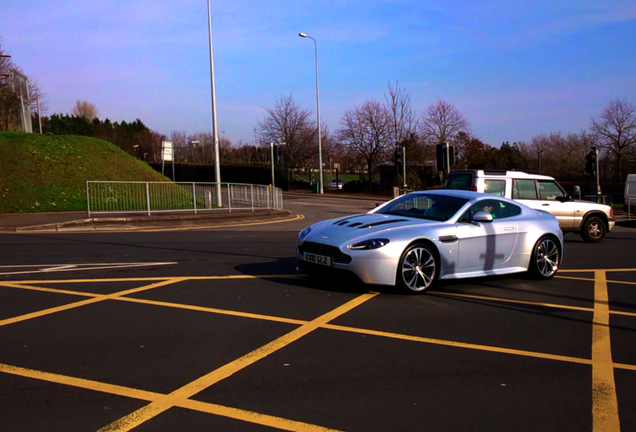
(304, 233)
(369, 244)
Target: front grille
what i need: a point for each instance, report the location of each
(326, 250)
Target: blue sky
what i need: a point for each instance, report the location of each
(514, 69)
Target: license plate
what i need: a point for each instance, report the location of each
(317, 259)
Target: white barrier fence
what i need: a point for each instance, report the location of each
(163, 197)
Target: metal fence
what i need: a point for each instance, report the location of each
(600, 199)
(164, 197)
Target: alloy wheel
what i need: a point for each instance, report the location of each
(418, 269)
(547, 257)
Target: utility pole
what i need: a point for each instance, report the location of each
(272, 146)
(598, 183)
(404, 165)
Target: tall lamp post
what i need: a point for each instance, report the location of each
(303, 35)
(539, 153)
(217, 162)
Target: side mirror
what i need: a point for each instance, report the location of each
(481, 216)
(577, 192)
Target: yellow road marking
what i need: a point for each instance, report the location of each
(252, 417)
(574, 278)
(458, 344)
(505, 300)
(295, 217)
(214, 310)
(118, 390)
(149, 279)
(604, 402)
(624, 366)
(143, 414)
(86, 302)
(80, 383)
(595, 270)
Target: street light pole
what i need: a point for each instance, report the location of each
(217, 162)
(303, 35)
(272, 146)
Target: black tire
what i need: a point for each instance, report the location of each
(418, 269)
(593, 230)
(545, 259)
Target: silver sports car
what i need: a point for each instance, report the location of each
(418, 238)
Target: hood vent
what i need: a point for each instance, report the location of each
(384, 222)
(355, 224)
(346, 220)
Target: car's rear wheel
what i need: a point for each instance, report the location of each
(593, 230)
(546, 258)
(418, 268)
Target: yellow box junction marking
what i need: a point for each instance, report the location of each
(605, 408)
(235, 413)
(604, 402)
(178, 396)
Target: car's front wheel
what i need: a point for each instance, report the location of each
(546, 258)
(593, 230)
(418, 268)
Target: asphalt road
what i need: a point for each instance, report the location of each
(213, 330)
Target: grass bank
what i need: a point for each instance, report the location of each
(48, 173)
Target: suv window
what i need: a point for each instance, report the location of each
(549, 190)
(495, 187)
(524, 189)
(460, 181)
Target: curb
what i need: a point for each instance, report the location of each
(133, 223)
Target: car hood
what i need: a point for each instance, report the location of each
(335, 231)
(588, 205)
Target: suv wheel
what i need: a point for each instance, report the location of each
(593, 230)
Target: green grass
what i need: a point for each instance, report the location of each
(48, 173)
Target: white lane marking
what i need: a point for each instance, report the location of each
(49, 268)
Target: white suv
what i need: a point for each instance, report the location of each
(587, 218)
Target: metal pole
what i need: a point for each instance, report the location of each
(447, 159)
(194, 197)
(317, 110)
(598, 183)
(217, 162)
(272, 146)
(404, 165)
(148, 197)
(39, 116)
(252, 192)
(318, 115)
(88, 201)
(229, 198)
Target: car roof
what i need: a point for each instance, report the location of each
(502, 173)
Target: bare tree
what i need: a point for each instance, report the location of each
(442, 122)
(403, 121)
(366, 132)
(615, 130)
(85, 109)
(290, 124)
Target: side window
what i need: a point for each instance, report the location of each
(524, 189)
(495, 187)
(549, 190)
(498, 209)
(460, 181)
(514, 210)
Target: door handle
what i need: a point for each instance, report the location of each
(509, 228)
(545, 204)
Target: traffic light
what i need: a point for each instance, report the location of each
(590, 162)
(399, 156)
(440, 152)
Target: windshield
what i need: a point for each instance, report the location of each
(424, 206)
